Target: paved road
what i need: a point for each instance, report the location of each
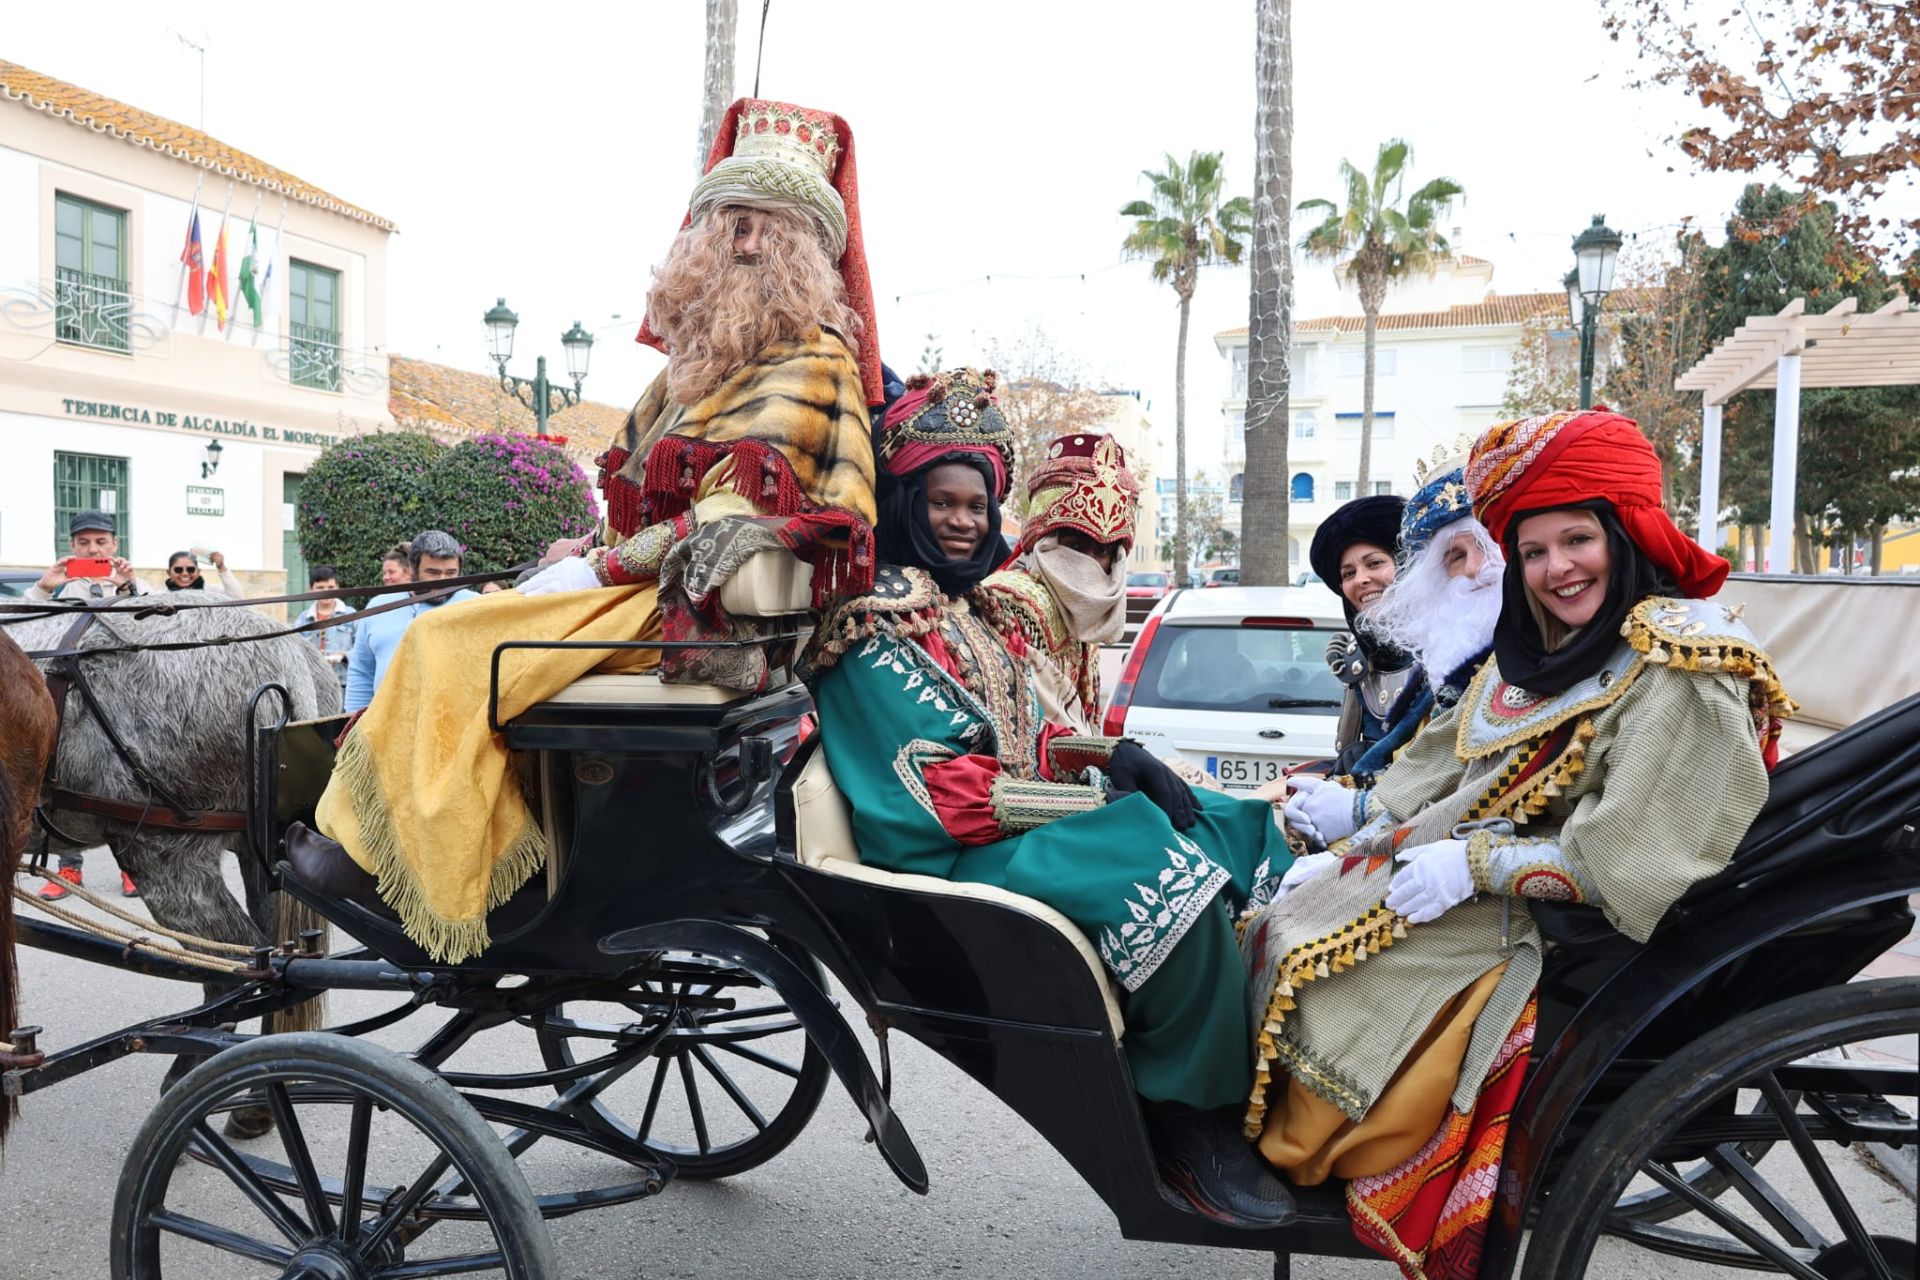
(1003, 1204)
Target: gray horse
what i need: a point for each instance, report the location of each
(183, 712)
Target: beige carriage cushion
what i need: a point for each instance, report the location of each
(770, 584)
(823, 838)
(641, 690)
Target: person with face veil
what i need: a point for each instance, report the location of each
(934, 732)
(1612, 752)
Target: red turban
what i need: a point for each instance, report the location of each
(1559, 459)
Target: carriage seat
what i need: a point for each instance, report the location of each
(823, 840)
(771, 584)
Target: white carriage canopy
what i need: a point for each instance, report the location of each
(1785, 353)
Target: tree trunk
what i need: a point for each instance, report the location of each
(1264, 542)
(716, 93)
(1802, 546)
(1875, 548)
(1180, 445)
(1366, 405)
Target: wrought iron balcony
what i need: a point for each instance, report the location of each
(91, 310)
(315, 357)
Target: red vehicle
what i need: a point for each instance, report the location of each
(1145, 589)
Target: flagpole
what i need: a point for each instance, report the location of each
(192, 213)
(253, 225)
(223, 227)
(266, 277)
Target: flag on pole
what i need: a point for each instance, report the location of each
(268, 293)
(220, 279)
(249, 266)
(196, 266)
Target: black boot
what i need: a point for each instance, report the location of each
(1208, 1168)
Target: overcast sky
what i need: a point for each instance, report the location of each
(545, 152)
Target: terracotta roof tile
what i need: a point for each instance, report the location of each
(104, 115)
(1509, 308)
(448, 403)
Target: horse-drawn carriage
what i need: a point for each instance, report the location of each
(703, 896)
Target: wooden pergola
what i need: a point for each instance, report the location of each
(1785, 353)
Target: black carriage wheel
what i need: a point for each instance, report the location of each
(1657, 1204)
(335, 1228)
(738, 1085)
(1770, 1227)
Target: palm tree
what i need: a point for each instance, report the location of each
(1263, 514)
(716, 84)
(1382, 242)
(1184, 227)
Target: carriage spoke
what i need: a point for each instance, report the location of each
(592, 1087)
(726, 1082)
(299, 1158)
(403, 1207)
(463, 1264)
(1741, 1231)
(1766, 1201)
(693, 1104)
(206, 1233)
(1788, 1111)
(760, 1011)
(251, 1185)
(354, 1176)
(653, 1099)
(754, 1055)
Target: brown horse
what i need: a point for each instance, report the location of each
(28, 725)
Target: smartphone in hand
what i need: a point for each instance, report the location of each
(89, 567)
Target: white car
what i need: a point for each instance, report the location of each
(1234, 680)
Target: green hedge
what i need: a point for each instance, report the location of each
(504, 497)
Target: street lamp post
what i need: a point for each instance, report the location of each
(536, 392)
(1595, 251)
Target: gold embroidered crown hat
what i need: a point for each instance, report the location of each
(953, 411)
(1082, 483)
(1441, 499)
(783, 157)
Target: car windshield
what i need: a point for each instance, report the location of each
(1146, 579)
(1237, 668)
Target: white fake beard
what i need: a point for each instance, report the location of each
(1441, 621)
(1461, 626)
(1094, 599)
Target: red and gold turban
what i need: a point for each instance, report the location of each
(1082, 483)
(1559, 459)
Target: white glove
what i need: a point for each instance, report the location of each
(570, 574)
(1303, 870)
(1432, 880)
(1319, 809)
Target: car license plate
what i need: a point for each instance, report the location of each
(1243, 771)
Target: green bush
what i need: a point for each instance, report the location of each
(363, 495)
(503, 497)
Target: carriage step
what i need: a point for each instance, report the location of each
(1864, 1117)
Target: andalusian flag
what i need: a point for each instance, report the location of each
(220, 279)
(249, 273)
(196, 264)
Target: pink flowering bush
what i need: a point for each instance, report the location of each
(505, 497)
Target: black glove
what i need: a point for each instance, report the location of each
(1346, 658)
(1134, 768)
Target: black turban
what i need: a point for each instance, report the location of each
(1374, 519)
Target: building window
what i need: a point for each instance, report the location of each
(1381, 487)
(1349, 424)
(1238, 390)
(1237, 432)
(1353, 362)
(1304, 426)
(89, 273)
(1302, 487)
(1342, 490)
(1293, 551)
(89, 482)
(313, 325)
(1237, 488)
(1486, 359)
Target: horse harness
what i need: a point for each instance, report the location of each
(65, 675)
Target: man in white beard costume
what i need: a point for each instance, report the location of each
(1065, 595)
(1441, 608)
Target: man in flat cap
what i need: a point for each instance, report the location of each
(91, 535)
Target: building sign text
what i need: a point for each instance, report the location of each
(202, 501)
(193, 422)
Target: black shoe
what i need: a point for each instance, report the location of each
(1207, 1167)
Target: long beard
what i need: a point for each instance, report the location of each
(720, 328)
(1460, 626)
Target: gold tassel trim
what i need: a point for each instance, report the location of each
(1721, 655)
(1532, 800)
(1338, 951)
(447, 941)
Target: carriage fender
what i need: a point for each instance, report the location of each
(1649, 983)
(817, 1015)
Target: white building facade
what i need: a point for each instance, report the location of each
(111, 390)
(1443, 350)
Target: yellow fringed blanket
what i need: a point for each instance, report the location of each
(423, 794)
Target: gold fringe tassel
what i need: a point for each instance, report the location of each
(447, 941)
(1338, 951)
